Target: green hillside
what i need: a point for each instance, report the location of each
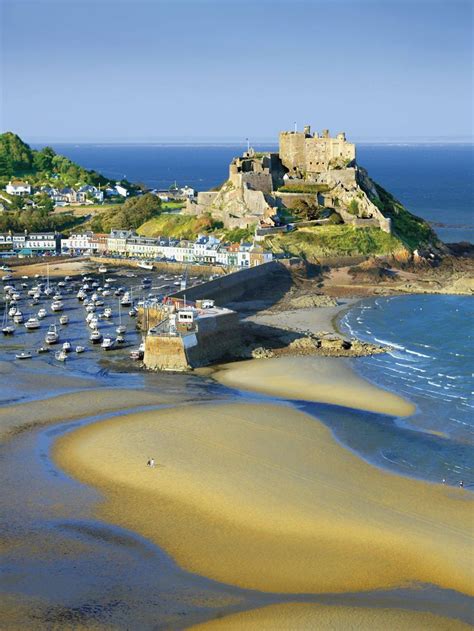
(17, 159)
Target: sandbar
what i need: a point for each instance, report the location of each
(303, 616)
(263, 497)
(323, 379)
(75, 405)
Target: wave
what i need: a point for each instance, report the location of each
(419, 354)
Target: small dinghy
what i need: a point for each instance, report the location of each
(24, 355)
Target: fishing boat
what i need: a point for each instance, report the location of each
(61, 356)
(43, 349)
(66, 347)
(64, 319)
(42, 314)
(57, 305)
(32, 323)
(107, 312)
(18, 317)
(120, 339)
(145, 265)
(11, 312)
(52, 336)
(107, 344)
(95, 337)
(24, 355)
(80, 349)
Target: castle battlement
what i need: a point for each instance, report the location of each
(305, 154)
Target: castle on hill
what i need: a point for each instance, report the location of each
(315, 168)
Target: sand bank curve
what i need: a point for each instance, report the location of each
(302, 616)
(262, 496)
(322, 379)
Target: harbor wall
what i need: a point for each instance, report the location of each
(165, 353)
(232, 286)
(215, 339)
(169, 268)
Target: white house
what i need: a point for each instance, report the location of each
(78, 243)
(121, 190)
(186, 192)
(17, 187)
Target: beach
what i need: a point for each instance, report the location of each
(323, 379)
(295, 512)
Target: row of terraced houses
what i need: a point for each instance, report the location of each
(127, 244)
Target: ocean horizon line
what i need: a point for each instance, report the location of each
(238, 142)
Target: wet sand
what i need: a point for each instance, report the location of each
(67, 407)
(302, 616)
(263, 497)
(72, 267)
(323, 379)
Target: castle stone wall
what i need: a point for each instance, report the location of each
(301, 152)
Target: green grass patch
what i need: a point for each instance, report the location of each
(178, 226)
(304, 188)
(343, 240)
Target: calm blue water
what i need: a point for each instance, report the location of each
(430, 364)
(435, 182)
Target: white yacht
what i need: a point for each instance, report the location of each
(80, 349)
(126, 301)
(57, 305)
(52, 336)
(64, 319)
(107, 344)
(66, 347)
(96, 336)
(32, 323)
(42, 314)
(145, 265)
(18, 317)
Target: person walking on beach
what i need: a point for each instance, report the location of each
(150, 462)
(461, 484)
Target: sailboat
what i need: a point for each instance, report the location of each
(121, 327)
(7, 329)
(48, 290)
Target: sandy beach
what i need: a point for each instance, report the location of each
(324, 379)
(263, 497)
(302, 616)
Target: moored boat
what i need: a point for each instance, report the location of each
(107, 344)
(32, 323)
(61, 356)
(24, 355)
(52, 336)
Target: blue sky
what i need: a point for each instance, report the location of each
(134, 70)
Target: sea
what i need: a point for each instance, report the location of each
(430, 361)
